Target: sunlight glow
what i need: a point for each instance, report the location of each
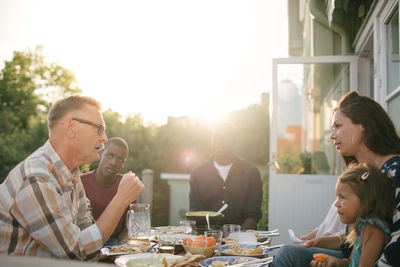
(158, 58)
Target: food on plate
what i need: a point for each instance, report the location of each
(188, 259)
(124, 249)
(255, 251)
(161, 261)
(153, 261)
(237, 250)
(218, 263)
(320, 257)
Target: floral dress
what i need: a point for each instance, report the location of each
(378, 223)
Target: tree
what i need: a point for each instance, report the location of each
(28, 85)
(140, 139)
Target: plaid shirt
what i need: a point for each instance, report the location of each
(44, 210)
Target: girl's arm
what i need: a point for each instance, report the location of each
(331, 242)
(373, 242)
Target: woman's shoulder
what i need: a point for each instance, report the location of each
(392, 168)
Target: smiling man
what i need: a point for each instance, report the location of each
(101, 184)
(43, 207)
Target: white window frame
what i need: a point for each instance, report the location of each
(384, 97)
(292, 196)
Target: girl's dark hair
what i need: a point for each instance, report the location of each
(376, 194)
(379, 133)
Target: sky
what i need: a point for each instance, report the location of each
(159, 58)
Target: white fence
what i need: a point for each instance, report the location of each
(179, 195)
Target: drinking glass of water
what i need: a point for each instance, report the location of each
(187, 226)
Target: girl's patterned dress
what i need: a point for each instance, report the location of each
(378, 223)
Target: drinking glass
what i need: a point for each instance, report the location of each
(200, 229)
(166, 244)
(228, 229)
(138, 225)
(187, 226)
(217, 234)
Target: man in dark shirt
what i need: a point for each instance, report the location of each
(102, 183)
(226, 178)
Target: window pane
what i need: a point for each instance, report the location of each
(307, 93)
(394, 111)
(393, 53)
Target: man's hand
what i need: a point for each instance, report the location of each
(130, 188)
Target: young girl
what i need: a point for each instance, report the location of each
(365, 201)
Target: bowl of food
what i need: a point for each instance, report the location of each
(200, 245)
(258, 251)
(200, 217)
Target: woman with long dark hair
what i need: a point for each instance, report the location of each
(362, 132)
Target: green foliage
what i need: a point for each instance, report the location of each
(263, 222)
(28, 85)
(18, 145)
(305, 158)
(140, 139)
(26, 82)
(289, 163)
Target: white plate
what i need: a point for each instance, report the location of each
(160, 230)
(144, 258)
(227, 259)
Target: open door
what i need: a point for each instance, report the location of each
(302, 183)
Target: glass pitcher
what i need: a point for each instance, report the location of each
(138, 225)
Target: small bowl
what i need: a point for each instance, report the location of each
(200, 251)
(197, 247)
(200, 217)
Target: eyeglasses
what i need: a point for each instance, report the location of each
(100, 128)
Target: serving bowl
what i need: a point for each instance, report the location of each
(205, 251)
(200, 217)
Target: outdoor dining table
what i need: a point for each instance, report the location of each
(98, 261)
(179, 250)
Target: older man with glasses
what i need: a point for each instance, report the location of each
(43, 206)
